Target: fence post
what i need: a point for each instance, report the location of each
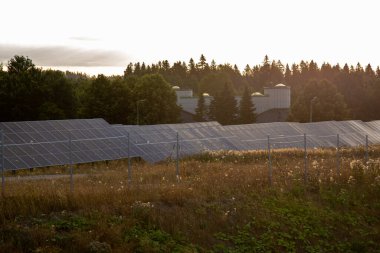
(71, 164)
(337, 155)
(129, 159)
(2, 162)
(269, 162)
(366, 150)
(305, 149)
(177, 158)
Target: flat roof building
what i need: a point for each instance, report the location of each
(272, 106)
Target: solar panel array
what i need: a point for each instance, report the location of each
(157, 142)
(32, 144)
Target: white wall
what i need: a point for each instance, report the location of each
(278, 97)
(184, 93)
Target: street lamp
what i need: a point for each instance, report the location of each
(137, 108)
(313, 100)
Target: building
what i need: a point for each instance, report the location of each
(271, 106)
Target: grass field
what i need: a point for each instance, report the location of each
(222, 203)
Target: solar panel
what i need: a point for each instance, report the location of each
(34, 144)
(45, 143)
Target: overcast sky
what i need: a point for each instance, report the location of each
(104, 36)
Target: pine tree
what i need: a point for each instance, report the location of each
(143, 69)
(137, 70)
(288, 75)
(223, 107)
(213, 65)
(247, 109)
(369, 72)
(202, 64)
(247, 70)
(129, 70)
(191, 65)
(165, 65)
(201, 110)
(236, 70)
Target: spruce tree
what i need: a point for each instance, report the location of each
(201, 110)
(247, 109)
(223, 107)
(202, 64)
(247, 70)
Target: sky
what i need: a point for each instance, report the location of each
(104, 36)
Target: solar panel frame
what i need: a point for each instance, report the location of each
(45, 143)
(40, 142)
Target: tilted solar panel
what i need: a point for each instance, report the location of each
(45, 143)
(34, 144)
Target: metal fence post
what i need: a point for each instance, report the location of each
(366, 150)
(269, 162)
(71, 164)
(177, 158)
(129, 160)
(305, 149)
(2, 162)
(337, 155)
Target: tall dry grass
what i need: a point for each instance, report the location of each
(215, 191)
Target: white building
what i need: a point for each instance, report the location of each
(277, 97)
(272, 106)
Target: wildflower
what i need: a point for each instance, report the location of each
(377, 180)
(355, 164)
(351, 180)
(142, 204)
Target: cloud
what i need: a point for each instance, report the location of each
(64, 56)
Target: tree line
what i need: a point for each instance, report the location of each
(338, 93)
(29, 93)
(342, 92)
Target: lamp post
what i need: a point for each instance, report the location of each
(137, 108)
(313, 100)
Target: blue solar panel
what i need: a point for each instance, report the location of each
(34, 144)
(45, 143)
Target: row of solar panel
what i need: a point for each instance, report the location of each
(34, 144)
